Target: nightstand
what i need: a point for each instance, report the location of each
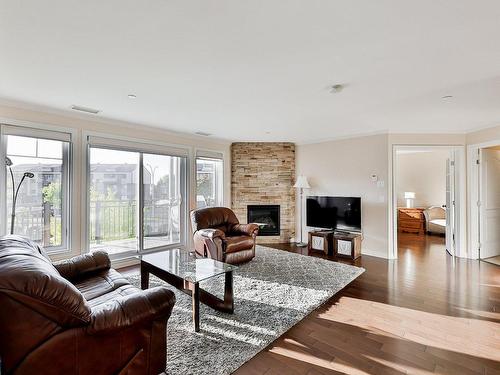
(411, 220)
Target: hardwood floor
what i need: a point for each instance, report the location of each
(423, 313)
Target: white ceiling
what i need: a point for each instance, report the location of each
(259, 70)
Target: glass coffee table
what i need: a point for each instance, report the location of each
(184, 271)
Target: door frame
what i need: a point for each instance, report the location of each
(460, 192)
(474, 185)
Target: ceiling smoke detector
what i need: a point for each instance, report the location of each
(447, 97)
(85, 109)
(335, 89)
(203, 134)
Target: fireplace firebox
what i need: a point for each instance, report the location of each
(267, 217)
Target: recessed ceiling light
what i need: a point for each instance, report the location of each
(85, 109)
(335, 89)
(132, 96)
(447, 97)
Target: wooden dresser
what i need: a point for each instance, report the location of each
(411, 220)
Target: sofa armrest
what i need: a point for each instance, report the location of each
(131, 310)
(85, 264)
(248, 229)
(211, 233)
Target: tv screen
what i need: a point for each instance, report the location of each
(342, 213)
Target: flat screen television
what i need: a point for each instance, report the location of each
(341, 213)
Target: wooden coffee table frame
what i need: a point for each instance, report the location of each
(193, 289)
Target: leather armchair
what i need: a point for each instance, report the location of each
(77, 316)
(219, 235)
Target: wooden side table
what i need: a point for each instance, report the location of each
(347, 245)
(411, 220)
(321, 240)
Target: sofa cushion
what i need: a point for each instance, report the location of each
(121, 291)
(100, 284)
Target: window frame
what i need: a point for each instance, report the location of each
(104, 141)
(47, 133)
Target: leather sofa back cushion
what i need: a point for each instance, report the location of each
(27, 276)
(221, 218)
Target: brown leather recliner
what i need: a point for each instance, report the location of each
(77, 316)
(219, 235)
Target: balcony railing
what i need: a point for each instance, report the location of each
(116, 220)
(109, 221)
(41, 223)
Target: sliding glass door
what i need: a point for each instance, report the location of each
(113, 200)
(162, 200)
(136, 200)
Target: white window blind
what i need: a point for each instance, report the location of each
(137, 146)
(209, 154)
(23, 131)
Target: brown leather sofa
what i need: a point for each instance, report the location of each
(219, 235)
(77, 316)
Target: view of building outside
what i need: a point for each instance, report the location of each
(39, 204)
(209, 184)
(114, 203)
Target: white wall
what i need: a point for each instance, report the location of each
(78, 125)
(422, 172)
(343, 168)
(484, 135)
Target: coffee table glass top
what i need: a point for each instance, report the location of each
(185, 265)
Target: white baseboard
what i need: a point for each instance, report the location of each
(374, 253)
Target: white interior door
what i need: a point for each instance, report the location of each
(490, 203)
(450, 204)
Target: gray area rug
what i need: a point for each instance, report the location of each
(272, 293)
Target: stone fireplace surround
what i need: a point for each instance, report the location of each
(263, 173)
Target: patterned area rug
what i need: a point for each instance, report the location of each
(272, 293)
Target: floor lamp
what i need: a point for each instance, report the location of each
(301, 184)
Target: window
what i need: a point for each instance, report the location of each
(209, 182)
(37, 181)
(136, 200)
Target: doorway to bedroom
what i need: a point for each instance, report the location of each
(426, 198)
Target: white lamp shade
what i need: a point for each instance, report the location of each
(409, 195)
(302, 183)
